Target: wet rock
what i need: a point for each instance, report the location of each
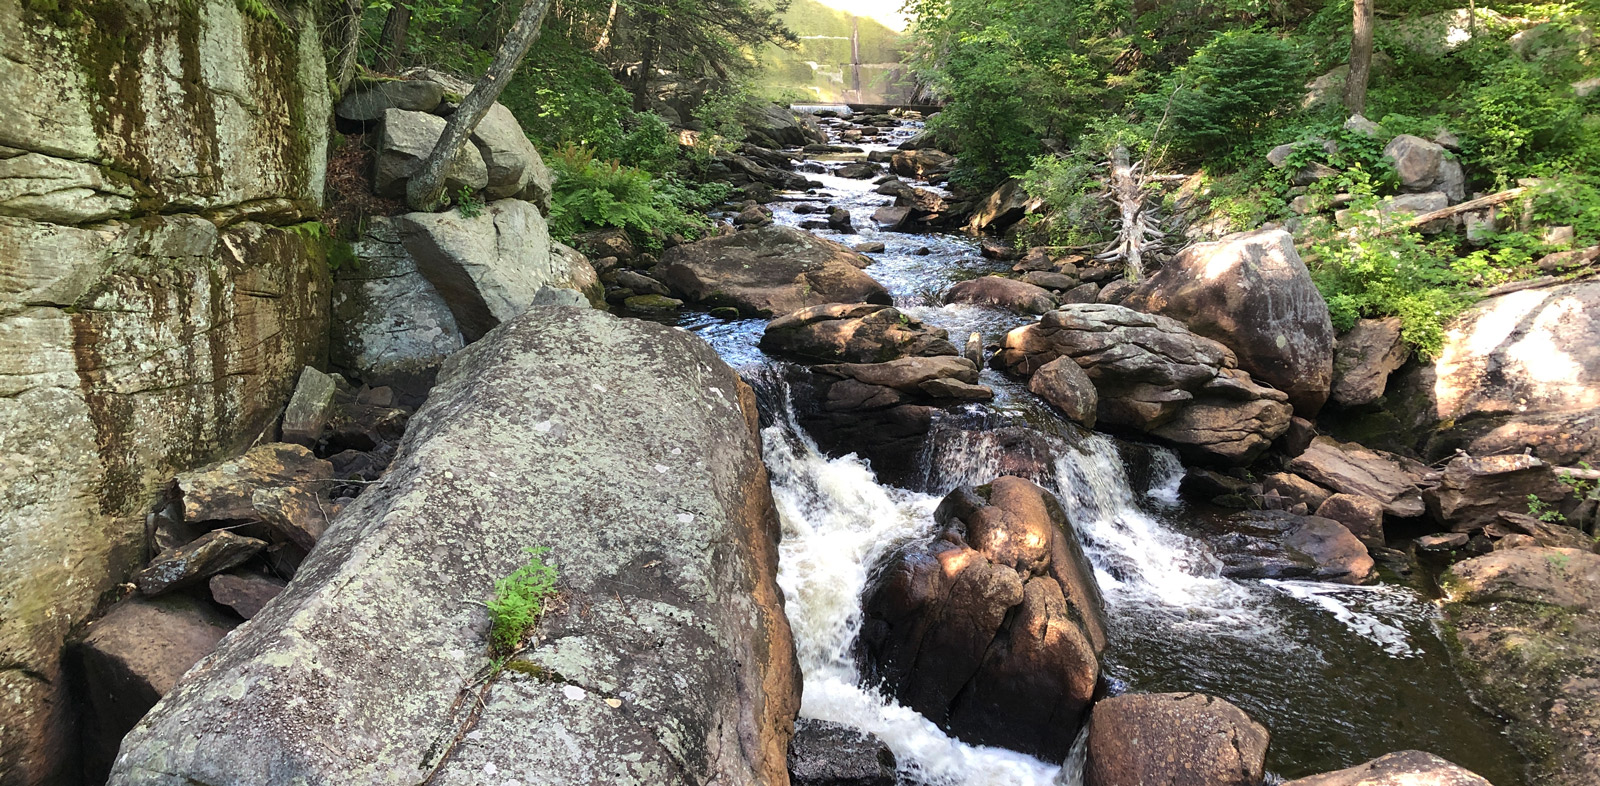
(896, 187)
(652, 304)
(1473, 491)
(1007, 293)
(1397, 769)
(921, 164)
(668, 587)
(1155, 376)
(406, 140)
(192, 563)
(129, 659)
(753, 216)
(894, 219)
(1283, 545)
(245, 593)
(871, 247)
(1352, 469)
(1049, 279)
(225, 492)
(859, 171)
(994, 629)
(993, 248)
(1175, 739)
(1296, 489)
(1363, 516)
(1063, 383)
(839, 220)
(1252, 293)
(309, 408)
(832, 754)
(1366, 355)
(1564, 578)
(973, 351)
(854, 333)
(770, 270)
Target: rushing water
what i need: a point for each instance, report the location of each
(1338, 674)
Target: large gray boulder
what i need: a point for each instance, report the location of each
(1424, 166)
(390, 326)
(1174, 739)
(770, 271)
(1155, 376)
(513, 163)
(1251, 292)
(666, 660)
(994, 630)
(406, 140)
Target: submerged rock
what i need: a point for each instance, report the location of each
(994, 629)
(1406, 768)
(770, 270)
(666, 546)
(1173, 739)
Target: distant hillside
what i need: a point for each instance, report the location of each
(841, 57)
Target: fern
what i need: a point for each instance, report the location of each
(518, 601)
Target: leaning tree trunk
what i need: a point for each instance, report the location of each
(1355, 83)
(392, 41)
(426, 189)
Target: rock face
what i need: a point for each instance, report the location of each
(667, 588)
(994, 629)
(1352, 469)
(854, 333)
(1007, 293)
(770, 270)
(1397, 769)
(829, 754)
(1252, 293)
(1366, 355)
(1155, 376)
(1472, 492)
(130, 658)
(1517, 370)
(1175, 739)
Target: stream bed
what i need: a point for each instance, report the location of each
(1338, 674)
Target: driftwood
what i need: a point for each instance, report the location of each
(1465, 207)
(1138, 231)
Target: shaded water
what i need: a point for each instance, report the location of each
(1339, 675)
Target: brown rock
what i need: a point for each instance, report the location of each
(1473, 491)
(1174, 739)
(1063, 383)
(1363, 516)
(245, 593)
(225, 491)
(906, 374)
(921, 164)
(1566, 578)
(1350, 468)
(854, 333)
(1296, 489)
(1406, 768)
(1365, 357)
(769, 270)
(1046, 279)
(213, 553)
(1007, 293)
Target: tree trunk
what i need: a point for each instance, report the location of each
(1355, 83)
(647, 63)
(345, 73)
(426, 188)
(392, 41)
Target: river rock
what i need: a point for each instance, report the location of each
(1346, 467)
(246, 593)
(994, 630)
(770, 270)
(832, 754)
(1004, 206)
(488, 267)
(1174, 739)
(1472, 491)
(1365, 357)
(1049, 279)
(1268, 544)
(1294, 488)
(666, 546)
(854, 333)
(907, 374)
(921, 164)
(1525, 621)
(859, 171)
(1007, 293)
(1252, 293)
(1362, 515)
(1406, 768)
(1063, 383)
(213, 553)
(404, 144)
(1520, 530)
(603, 243)
(130, 658)
(1155, 376)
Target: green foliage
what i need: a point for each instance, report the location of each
(1582, 488)
(518, 601)
(1571, 200)
(1234, 87)
(1517, 125)
(1068, 185)
(468, 203)
(719, 113)
(591, 193)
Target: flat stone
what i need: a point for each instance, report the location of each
(309, 408)
(245, 593)
(213, 553)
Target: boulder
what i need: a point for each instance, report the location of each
(246, 593)
(1005, 206)
(907, 375)
(640, 284)
(1352, 469)
(1007, 293)
(921, 164)
(1252, 293)
(770, 270)
(390, 326)
(861, 170)
(1063, 383)
(832, 754)
(514, 166)
(369, 104)
(1520, 530)
(129, 659)
(1155, 376)
(780, 124)
(854, 333)
(213, 553)
(1564, 578)
(488, 267)
(652, 304)
(603, 243)
(579, 274)
(1049, 279)
(1275, 544)
(1472, 491)
(1366, 355)
(226, 492)
(404, 144)
(994, 629)
(1362, 515)
(666, 547)
(309, 408)
(1406, 768)
(1422, 166)
(1174, 739)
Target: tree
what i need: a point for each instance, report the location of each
(392, 41)
(1355, 83)
(426, 188)
(693, 37)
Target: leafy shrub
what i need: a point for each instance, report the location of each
(1231, 89)
(591, 193)
(1068, 187)
(1515, 124)
(518, 601)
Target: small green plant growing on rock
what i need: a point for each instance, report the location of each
(1541, 510)
(470, 205)
(518, 601)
